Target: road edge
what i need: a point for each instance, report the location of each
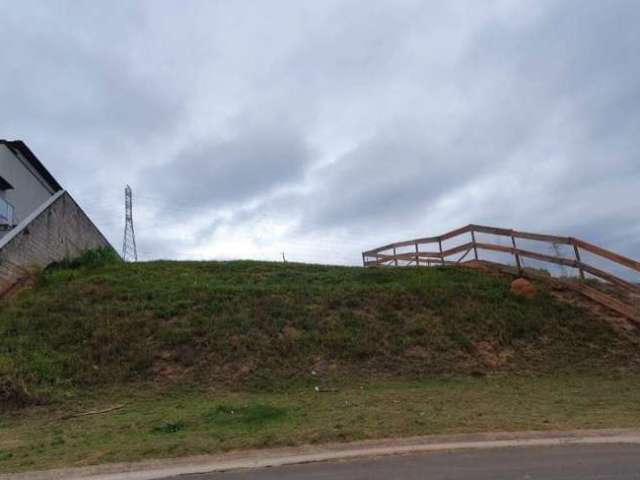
(252, 459)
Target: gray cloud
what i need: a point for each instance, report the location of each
(219, 172)
(549, 97)
(322, 128)
(70, 71)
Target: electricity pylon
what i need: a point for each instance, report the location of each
(129, 250)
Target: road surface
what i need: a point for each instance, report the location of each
(569, 462)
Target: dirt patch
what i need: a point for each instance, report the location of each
(321, 366)
(291, 332)
(619, 323)
(166, 367)
(417, 351)
(20, 285)
(491, 356)
(523, 287)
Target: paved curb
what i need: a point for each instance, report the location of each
(150, 470)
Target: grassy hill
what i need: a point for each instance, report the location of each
(102, 361)
(258, 325)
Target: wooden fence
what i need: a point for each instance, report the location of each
(429, 251)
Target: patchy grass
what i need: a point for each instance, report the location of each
(259, 325)
(158, 422)
(214, 356)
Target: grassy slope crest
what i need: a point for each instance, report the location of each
(263, 325)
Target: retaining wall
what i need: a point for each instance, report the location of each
(55, 231)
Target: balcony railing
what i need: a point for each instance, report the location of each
(7, 216)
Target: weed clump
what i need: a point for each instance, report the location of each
(169, 427)
(91, 259)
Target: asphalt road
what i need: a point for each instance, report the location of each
(571, 462)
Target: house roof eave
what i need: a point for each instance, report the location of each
(29, 156)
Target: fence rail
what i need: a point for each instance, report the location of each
(436, 255)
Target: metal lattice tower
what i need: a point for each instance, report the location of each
(129, 250)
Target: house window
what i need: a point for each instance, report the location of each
(6, 213)
(6, 209)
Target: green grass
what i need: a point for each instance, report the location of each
(164, 422)
(214, 356)
(258, 325)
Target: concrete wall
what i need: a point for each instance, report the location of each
(56, 230)
(29, 189)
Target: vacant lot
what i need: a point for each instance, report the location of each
(210, 356)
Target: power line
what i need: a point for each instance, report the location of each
(129, 250)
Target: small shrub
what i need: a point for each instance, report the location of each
(169, 427)
(90, 259)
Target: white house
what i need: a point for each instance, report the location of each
(40, 222)
(25, 184)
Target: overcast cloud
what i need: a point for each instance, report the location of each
(324, 128)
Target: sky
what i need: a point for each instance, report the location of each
(324, 128)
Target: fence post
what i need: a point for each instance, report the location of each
(577, 253)
(513, 242)
(473, 240)
(417, 256)
(440, 245)
(395, 259)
